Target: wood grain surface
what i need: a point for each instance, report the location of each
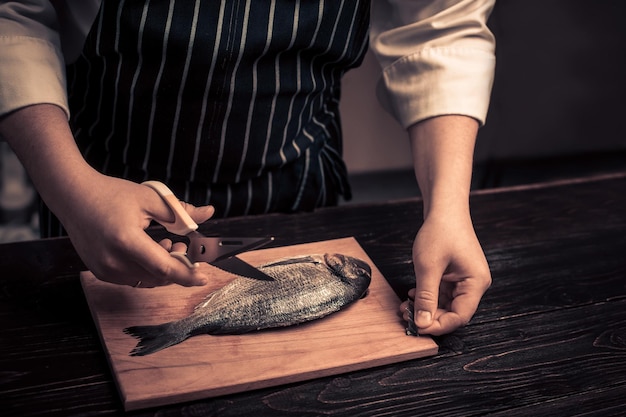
(548, 339)
(368, 333)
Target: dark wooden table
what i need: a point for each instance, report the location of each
(549, 337)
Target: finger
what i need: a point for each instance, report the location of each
(412, 294)
(404, 309)
(198, 214)
(465, 301)
(179, 247)
(444, 322)
(172, 270)
(166, 244)
(160, 268)
(462, 308)
(426, 296)
(435, 327)
(158, 209)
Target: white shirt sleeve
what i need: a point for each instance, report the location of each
(437, 57)
(37, 38)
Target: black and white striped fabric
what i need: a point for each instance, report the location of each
(232, 103)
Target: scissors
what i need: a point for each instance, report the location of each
(218, 251)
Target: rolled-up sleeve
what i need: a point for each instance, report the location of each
(437, 57)
(33, 50)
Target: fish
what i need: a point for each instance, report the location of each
(305, 288)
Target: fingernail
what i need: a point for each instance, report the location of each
(424, 318)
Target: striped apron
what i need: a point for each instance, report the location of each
(233, 103)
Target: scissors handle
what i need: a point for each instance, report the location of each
(183, 224)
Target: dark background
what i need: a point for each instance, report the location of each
(558, 105)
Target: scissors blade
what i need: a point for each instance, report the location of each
(237, 266)
(221, 251)
(218, 251)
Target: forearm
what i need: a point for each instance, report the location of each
(91, 204)
(40, 136)
(451, 270)
(443, 150)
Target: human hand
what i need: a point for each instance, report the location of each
(105, 217)
(451, 273)
(108, 227)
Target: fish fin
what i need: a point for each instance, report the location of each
(154, 338)
(206, 300)
(291, 261)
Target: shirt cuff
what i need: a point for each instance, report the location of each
(31, 73)
(437, 81)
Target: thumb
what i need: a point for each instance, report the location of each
(199, 214)
(425, 298)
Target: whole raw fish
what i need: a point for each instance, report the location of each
(304, 289)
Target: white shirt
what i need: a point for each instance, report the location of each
(437, 57)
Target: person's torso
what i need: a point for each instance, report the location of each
(216, 92)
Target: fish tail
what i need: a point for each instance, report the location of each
(154, 338)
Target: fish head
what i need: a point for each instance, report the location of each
(353, 271)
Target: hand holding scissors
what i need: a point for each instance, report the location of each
(217, 251)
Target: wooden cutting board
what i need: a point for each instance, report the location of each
(366, 334)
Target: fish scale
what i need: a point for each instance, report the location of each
(304, 289)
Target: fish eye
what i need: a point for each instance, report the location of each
(356, 271)
(364, 271)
